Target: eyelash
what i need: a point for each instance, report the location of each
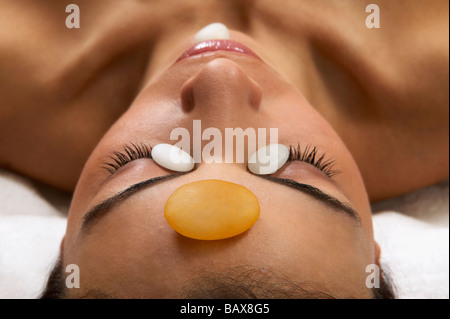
(130, 153)
(308, 155)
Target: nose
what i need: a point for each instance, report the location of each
(221, 89)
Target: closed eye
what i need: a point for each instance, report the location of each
(130, 152)
(310, 155)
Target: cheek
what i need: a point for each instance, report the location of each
(302, 124)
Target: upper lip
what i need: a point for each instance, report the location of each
(217, 45)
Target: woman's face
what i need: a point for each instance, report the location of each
(129, 250)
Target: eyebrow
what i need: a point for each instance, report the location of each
(101, 209)
(314, 192)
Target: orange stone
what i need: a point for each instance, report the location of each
(211, 210)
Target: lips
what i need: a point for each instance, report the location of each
(217, 45)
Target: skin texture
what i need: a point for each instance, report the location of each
(219, 87)
(388, 86)
(329, 82)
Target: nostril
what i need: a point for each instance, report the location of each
(187, 96)
(222, 87)
(255, 95)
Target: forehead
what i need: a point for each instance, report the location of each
(134, 246)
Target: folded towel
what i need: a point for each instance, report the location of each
(413, 232)
(31, 229)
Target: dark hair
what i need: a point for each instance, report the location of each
(243, 282)
(55, 287)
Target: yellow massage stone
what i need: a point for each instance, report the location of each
(211, 209)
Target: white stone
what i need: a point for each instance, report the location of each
(268, 159)
(213, 31)
(172, 158)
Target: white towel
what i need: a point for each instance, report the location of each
(31, 230)
(412, 231)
